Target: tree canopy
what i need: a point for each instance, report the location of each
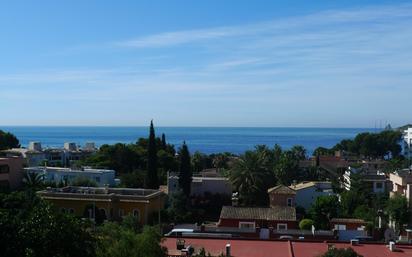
(152, 176)
(185, 170)
(8, 140)
(30, 226)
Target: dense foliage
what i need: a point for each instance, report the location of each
(340, 252)
(121, 240)
(369, 145)
(31, 227)
(185, 170)
(397, 209)
(254, 172)
(8, 140)
(152, 176)
(130, 161)
(306, 224)
(323, 210)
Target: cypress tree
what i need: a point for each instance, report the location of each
(163, 141)
(152, 180)
(185, 170)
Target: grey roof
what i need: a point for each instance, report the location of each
(346, 220)
(257, 213)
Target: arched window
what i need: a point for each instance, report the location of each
(136, 214)
(103, 213)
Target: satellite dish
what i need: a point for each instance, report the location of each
(389, 235)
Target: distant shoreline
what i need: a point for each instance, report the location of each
(204, 139)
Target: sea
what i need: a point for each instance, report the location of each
(204, 139)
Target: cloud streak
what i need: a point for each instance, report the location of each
(344, 60)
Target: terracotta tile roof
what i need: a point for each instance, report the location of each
(281, 189)
(344, 220)
(275, 213)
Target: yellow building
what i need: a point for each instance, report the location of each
(112, 203)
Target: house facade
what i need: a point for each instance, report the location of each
(35, 155)
(402, 185)
(373, 179)
(282, 196)
(307, 192)
(11, 172)
(201, 185)
(112, 203)
(56, 175)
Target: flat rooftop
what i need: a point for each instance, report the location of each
(100, 192)
(271, 248)
(59, 169)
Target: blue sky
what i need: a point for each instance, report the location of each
(206, 63)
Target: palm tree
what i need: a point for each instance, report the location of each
(33, 181)
(219, 161)
(251, 178)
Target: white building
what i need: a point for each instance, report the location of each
(307, 192)
(57, 175)
(201, 185)
(407, 142)
(376, 181)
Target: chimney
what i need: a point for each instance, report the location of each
(354, 242)
(392, 246)
(235, 199)
(228, 250)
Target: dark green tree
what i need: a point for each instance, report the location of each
(185, 170)
(33, 181)
(117, 241)
(323, 210)
(152, 178)
(31, 227)
(340, 252)
(8, 140)
(164, 144)
(251, 178)
(397, 209)
(178, 210)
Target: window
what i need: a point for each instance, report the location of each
(290, 202)
(282, 226)
(379, 185)
(340, 227)
(71, 211)
(4, 169)
(136, 214)
(63, 210)
(103, 213)
(97, 179)
(121, 213)
(247, 225)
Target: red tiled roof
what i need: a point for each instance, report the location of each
(265, 248)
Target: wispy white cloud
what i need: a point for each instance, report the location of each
(301, 63)
(328, 18)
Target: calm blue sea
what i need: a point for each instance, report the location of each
(204, 139)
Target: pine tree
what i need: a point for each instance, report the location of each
(185, 170)
(152, 179)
